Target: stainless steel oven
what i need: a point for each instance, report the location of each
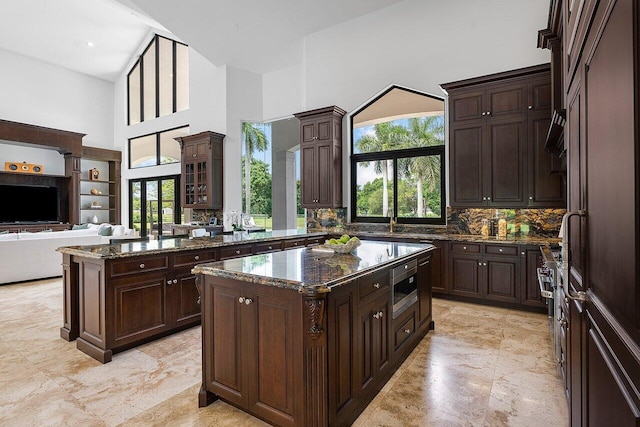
(404, 286)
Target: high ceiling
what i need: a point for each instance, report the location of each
(254, 35)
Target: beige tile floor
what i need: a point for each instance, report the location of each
(482, 366)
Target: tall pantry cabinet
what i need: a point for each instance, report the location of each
(599, 61)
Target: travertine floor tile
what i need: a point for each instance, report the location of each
(481, 366)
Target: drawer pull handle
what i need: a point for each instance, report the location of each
(406, 266)
(500, 249)
(237, 251)
(141, 265)
(464, 247)
(197, 257)
(408, 331)
(376, 285)
(270, 247)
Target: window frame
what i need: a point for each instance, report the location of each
(143, 200)
(158, 145)
(394, 155)
(156, 46)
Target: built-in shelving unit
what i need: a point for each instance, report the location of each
(107, 162)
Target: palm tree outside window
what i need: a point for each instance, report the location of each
(255, 139)
(397, 165)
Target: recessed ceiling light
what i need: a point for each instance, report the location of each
(90, 43)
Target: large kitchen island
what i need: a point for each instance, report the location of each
(308, 336)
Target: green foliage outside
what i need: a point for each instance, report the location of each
(419, 177)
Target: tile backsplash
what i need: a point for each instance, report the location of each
(520, 222)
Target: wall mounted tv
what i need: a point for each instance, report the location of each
(29, 203)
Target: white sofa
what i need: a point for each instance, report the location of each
(31, 256)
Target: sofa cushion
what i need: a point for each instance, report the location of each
(118, 230)
(105, 230)
(4, 232)
(80, 226)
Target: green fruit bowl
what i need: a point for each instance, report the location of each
(342, 248)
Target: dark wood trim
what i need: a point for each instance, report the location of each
(520, 72)
(65, 142)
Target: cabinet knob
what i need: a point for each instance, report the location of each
(488, 113)
(464, 247)
(197, 257)
(175, 281)
(485, 264)
(380, 314)
(376, 285)
(270, 247)
(248, 301)
(488, 199)
(484, 114)
(195, 155)
(530, 107)
(480, 264)
(521, 253)
(142, 265)
(168, 282)
(376, 315)
(241, 300)
(295, 244)
(237, 251)
(500, 249)
(530, 197)
(484, 199)
(407, 331)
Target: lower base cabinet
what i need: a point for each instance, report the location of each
(295, 359)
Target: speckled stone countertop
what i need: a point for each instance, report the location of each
(152, 247)
(312, 269)
(520, 240)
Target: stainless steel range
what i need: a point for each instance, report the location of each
(550, 282)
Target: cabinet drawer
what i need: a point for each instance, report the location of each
(294, 243)
(265, 247)
(374, 282)
(235, 251)
(501, 250)
(404, 331)
(315, 241)
(193, 257)
(465, 248)
(138, 265)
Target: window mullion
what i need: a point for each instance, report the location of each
(174, 79)
(157, 75)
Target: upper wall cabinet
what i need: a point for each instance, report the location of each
(202, 170)
(321, 157)
(497, 133)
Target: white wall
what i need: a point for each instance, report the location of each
(283, 93)
(420, 44)
(45, 95)
(37, 93)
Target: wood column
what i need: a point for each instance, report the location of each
(315, 361)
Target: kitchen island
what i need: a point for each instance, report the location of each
(308, 336)
(117, 296)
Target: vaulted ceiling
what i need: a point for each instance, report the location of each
(254, 35)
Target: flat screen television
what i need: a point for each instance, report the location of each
(29, 203)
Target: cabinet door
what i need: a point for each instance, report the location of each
(308, 131)
(323, 179)
(466, 162)
(425, 267)
(501, 278)
(540, 95)
(463, 275)
(274, 333)
(505, 162)
(184, 300)
(373, 341)
(439, 268)
(139, 304)
(529, 288)
(343, 363)
(466, 107)
(506, 100)
(224, 331)
(308, 158)
(546, 189)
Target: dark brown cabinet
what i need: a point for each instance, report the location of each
(426, 265)
(374, 317)
(465, 261)
(202, 174)
(244, 321)
(600, 45)
(321, 157)
(495, 129)
(530, 290)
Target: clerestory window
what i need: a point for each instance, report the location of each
(158, 83)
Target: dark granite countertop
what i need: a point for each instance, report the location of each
(153, 247)
(312, 269)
